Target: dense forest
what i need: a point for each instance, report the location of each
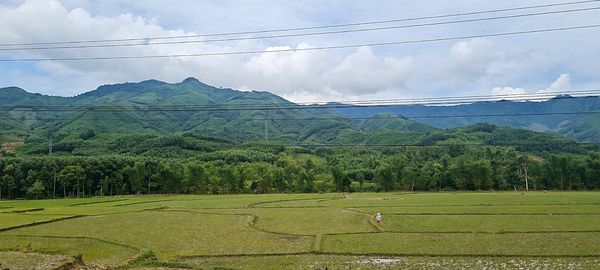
(277, 168)
(154, 137)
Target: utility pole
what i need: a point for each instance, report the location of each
(265, 129)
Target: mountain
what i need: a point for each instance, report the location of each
(159, 108)
(563, 115)
(145, 117)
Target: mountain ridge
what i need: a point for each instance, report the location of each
(573, 117)
(189, 106)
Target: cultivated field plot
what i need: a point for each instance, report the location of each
(553, 230)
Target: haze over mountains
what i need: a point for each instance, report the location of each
(161, 109)
(572, 117)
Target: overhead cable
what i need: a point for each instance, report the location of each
(148, 43)
(310, 27)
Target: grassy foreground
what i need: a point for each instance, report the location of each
(308, 231)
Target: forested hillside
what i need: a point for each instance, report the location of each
(154, 137)
(573, 117)
(154, 107)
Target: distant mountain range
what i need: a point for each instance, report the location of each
(577, 118)
(155, 108)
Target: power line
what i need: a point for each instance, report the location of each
(310, 27)
(145, 43)
(131, 57)
(342, 118)
(293, 106)
(441, 145)
(184, 108)
(398, 101)
(310, 145)
(467, 98)
(394, 101)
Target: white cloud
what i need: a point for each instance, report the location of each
(284, 72)
(297, 75)
(313, 76)
(562, 84)
(77, 24)
(470, 60)
(499, 91)
(362, 72)
(469, 67)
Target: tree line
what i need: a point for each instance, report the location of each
(296, 169)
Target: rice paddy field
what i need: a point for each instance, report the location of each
(481, 230)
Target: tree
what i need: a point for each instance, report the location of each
(483, 174)
(138, 177)
(308, 180)
(592, 172)
(168, 179)
(265, 177)
(36, 189)
(229, 178)
(341, 181)
(425, 177)
(196, 177)
(70, 175)
(103, 185)
(7, 180)
(3, 182)
(385, 177)
(524, 170)
(408, 176)
(87, 134)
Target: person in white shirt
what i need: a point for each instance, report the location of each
(378, 218)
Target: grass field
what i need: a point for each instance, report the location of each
(556, 230)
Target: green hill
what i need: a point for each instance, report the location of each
(572, 117)
(144, 117)
(153, 107)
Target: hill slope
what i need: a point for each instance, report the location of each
(561, 115)
(186, 114)
(154, 107)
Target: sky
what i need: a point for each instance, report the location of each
(543, 62)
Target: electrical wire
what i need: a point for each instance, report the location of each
(378, 44)
(293, 106)
(340, 118)
(324, 145)
(146, 43)
(398, 101)
(310, 27)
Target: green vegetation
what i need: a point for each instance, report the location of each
(88, 126)
(253, 188)
(304, 231)
(311, 221)
(171, 234)
(145, 110)
(525, 244)
(12, 220)
(543, 209)
(93, 249)
(583, 127)
(256, 169)
(491, 223)
(124, 145)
